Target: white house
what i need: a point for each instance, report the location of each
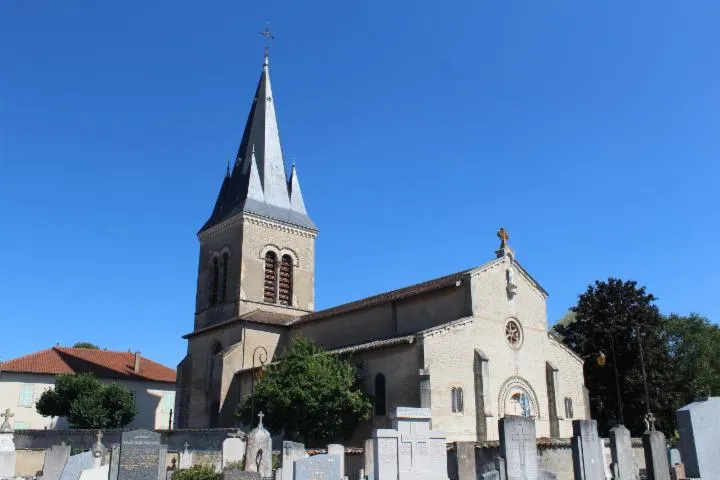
(24, 379)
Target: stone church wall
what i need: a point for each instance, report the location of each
(571, 383)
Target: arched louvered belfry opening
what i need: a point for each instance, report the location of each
(380, 395)
(286, 280)
(224, 276)
(214, 280)
(270, 292)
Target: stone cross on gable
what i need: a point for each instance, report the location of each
(5, 427)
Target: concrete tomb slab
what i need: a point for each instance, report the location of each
(339, 450)
(96, 473)
(700, 437)
(318, 467)
(76, 464)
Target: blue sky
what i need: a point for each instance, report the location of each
(589, 130)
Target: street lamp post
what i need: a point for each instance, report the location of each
(617, 381)
(261, 358)
(642, 367)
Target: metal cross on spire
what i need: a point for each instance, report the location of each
(267, 33)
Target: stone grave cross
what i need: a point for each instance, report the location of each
(521, 436)
(261, 415)
(5, 427)
(415, 442)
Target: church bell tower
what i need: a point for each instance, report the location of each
(257, 249)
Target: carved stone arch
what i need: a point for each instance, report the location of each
(224, 250)
(213, 254)
(269, 248)
(291, 253)
(513, 385)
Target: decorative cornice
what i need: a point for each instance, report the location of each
(257, 220)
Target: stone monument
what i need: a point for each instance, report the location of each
(114, 462)
(258, 453)
(318, 467)
(623, 466)
(291, 452)
(700, 437)
(55, 459)
(339, 451)
(408, 450)
(186, 458)
(98, 450)
(233, 448)
(8, 455)
(518, 447)
(656, 462)
(587, 451)
(141, 455)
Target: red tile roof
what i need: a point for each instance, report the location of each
(101, 363)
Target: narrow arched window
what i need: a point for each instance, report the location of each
(568, 407)
(270, 292)
(223, 281)
(456, 399)
(380, 403)
(214, 280)
(286, 280)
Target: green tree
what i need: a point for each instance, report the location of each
(86, 403)
(313, 395)
(694, 349)
(89, 345)
(611, 319)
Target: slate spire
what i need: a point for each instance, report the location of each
(258, 183)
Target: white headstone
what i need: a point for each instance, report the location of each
(291, 452)
(96, 473)
(55, 460)
(369, 457)
(339, 451)
(233, 450)
(186, 458)
(258, 453)
(621, 452)
(587, 451)
(7, 455)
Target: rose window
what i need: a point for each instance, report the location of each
(513, 334)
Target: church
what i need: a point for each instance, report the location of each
(472, 346)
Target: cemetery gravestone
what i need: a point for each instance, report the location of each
(518, 447)
(422, 453)
(587, 451)
(385, 454)
(674, 456)
(700, 437)
(140, 456)
(233, 450)
(8, 455)
(339, 451)
(292, 451)
(500, 467)
(75, 466)
(258, 454)
(186, 458)
(55, 460)
(96, 473)
(114, 462)
(621, 453)
(318, 467)
(162, 469)
(369, 457)
(237, 474)
(98, 450)
(656, 456)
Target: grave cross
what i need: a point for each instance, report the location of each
(7, 416)
(520, 436)
(186, 446)
(414, 441)
(99, 436)
(261, 415)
